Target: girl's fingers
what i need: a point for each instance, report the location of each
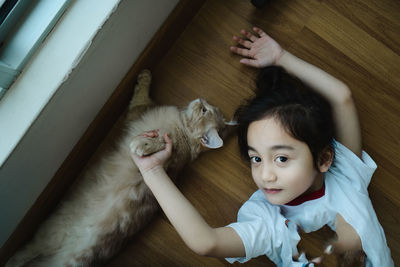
(240, 51)
(317, 260)
(249, 35)
(153, 133)
(150, 134)
(244, 43)
(250, 62)
(329, 249)
(260, 32)
(168, 143)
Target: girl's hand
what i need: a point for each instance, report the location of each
(154, 161)
(259, 51)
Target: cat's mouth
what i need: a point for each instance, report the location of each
(204, 139)
(211, 139)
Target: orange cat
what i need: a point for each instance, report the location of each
(112, 202)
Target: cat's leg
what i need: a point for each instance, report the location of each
(141, 95)
(147, 143)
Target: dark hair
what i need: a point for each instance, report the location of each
(304, 114)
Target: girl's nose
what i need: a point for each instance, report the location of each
(268, 175)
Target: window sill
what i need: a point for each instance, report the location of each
(48, 69)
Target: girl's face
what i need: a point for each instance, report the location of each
(282, 166)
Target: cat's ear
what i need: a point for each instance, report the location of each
(229, 129)
(232, 122)
(211, 139)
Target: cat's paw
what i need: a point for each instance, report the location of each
(147, 143)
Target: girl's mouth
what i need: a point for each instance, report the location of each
(272, 190)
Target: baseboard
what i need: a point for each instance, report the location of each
(100, 127)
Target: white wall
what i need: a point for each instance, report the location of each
(75, 92)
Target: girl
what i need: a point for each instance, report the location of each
(306, 178)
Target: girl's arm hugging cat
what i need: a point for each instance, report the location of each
(196, 233)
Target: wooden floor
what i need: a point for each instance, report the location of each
(357, 41)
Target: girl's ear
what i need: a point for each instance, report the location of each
(326, 159)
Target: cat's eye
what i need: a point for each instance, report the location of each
(204, 110)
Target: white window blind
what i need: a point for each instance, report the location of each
(24, 25)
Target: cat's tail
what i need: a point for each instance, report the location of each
(37, 251)
(30, 255)
(35, 255)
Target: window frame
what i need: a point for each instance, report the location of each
(22, 31)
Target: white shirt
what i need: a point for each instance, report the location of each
(261, 225)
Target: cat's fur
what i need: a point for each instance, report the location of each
(112, 202)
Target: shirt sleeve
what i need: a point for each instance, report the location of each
(358, 171)
(261, 228)
(253, 230)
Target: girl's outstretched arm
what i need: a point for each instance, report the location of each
(261, 50)
(195, 232)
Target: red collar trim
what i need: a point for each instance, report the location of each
(311, 196)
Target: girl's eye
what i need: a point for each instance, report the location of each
(282, 159)
(255, 159)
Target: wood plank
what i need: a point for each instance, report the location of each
(379, 19)
(355, 43)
